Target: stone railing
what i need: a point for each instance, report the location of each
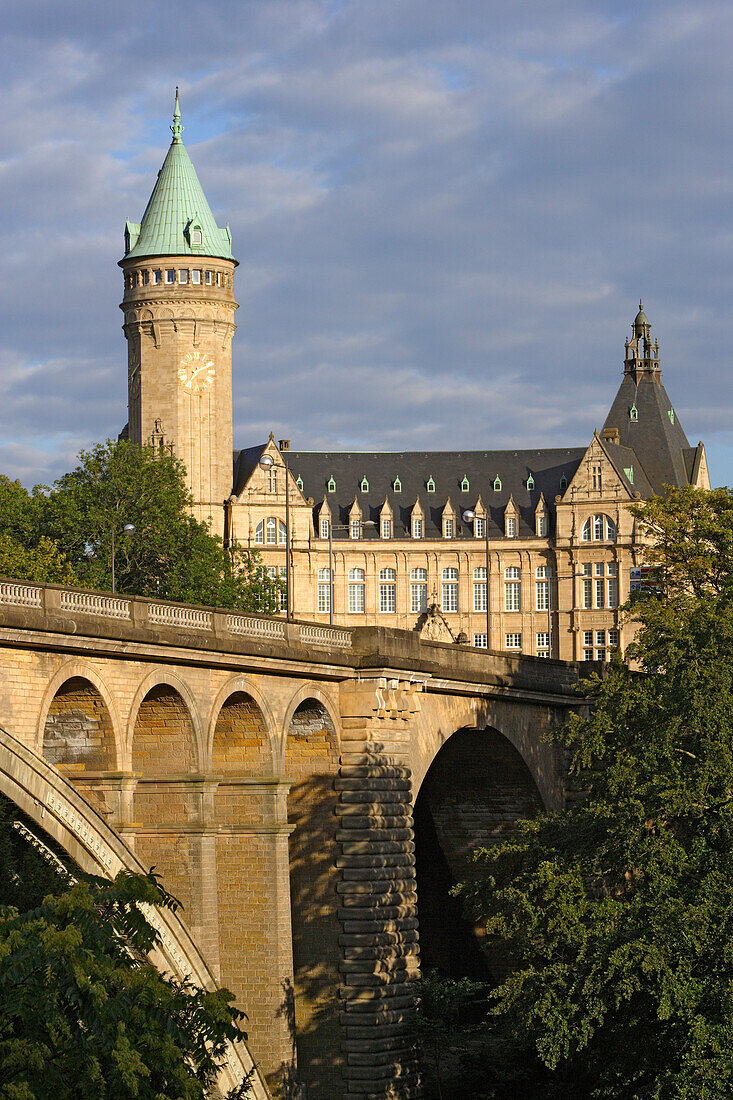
(141, 612)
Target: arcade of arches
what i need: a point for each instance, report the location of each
(279, 809)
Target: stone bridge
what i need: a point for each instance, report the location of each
(308, 792)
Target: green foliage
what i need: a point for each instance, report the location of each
(82, 1012)
(441, 1028)
(64, 533)
(617, 913)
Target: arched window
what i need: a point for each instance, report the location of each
(282, 532)
(512, 588)
(387, 590)
(418, 590)
(599, 528)
(356, 591)
(260, 531)
(450, 590)
(271, 538)
(324, 590)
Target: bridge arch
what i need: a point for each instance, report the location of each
(303, 695)
(162, 678)
(478, 785)
(53, 804)
(107, 722)
(240, 692)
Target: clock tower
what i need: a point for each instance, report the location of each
(179, 321)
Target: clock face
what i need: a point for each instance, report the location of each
(196, 371)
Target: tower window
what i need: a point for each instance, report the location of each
(146, 278)
(530, 482)
(170, 276)
(218, 278)
(208, 277)
(183, 276)
(633, 413)
(196, 276)
(563, 483)
(670, 414)
(629, 471)
(299, 482)
(196, 238)
(157, 277)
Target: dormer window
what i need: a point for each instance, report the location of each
(430, 486)
(511, 527)
(196, 237)
(299, 482)
(563, 483)
(364, 485)
(355, 529)
(670, 414)
(396, 485)
(448, 528)
(530, 482)
(633, 413)
(331, 487)
(497, 484)
(464, 485)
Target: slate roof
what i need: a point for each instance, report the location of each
(176, 205)
(660, 447)
(413, 469)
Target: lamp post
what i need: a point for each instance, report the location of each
(267, 462)
(128, 529)
(468, 517)
(331, 528)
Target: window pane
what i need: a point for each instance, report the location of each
(450, 574)
(511, 527)
(513, 571)
(183, 276)
(324, 597)
(513, 596)
(480, 642)
(419, 575)
(355, 529)
(387, 598)
(195, 276)
(356, 597)
(479, 596)
(417, 528)
(512, 641)
(271, 530)
(450, 597)
(324, 528)
(260, 532)
(418, 597)
(543, 595)
(613, 592)
(480, 532)
(448, 528)
(386, 528)
(600, 594)
(587, 593)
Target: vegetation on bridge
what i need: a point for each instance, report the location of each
(63, 533)
(617, 913)
(82, 1011)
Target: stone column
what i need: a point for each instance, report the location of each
(378, 910)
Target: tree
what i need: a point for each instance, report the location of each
(617, 913)
(82, 1011)
(170, 556)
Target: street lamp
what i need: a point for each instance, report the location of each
(468, 517)
(331, 528)
(128, 529)
(267, 462)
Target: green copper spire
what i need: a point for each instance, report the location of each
(178, 219)
(176, 128)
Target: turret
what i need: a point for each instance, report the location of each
(641, 354)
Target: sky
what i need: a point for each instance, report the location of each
(444, 211)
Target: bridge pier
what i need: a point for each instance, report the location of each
(377, 891)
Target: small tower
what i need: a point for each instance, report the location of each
(641, 355)
(179, 321)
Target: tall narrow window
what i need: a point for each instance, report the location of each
(324, 590)
(587, 586)
(272, 480)
(417, 528)
(450, 590)
(479, 527)
(386, 528)
(282, 532)
(600, 593)
(418, 590)
(325, 528)
(512, 588)
(183, 276)
(511, 527)
(543, 643)
(479, 588)
(612, 584)
(260, 532)
(543, 595)
(170, 275)
(356, 591)
(196, 276)
(542, 526)
(271, 530)
(597, 478)
(387, 590)
(355, 529)
(448, 528)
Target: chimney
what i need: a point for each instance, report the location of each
(610, 435)
(284, 444)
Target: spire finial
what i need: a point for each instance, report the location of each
(176, 128)
(641, 304)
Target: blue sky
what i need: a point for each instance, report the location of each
(445, 213)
